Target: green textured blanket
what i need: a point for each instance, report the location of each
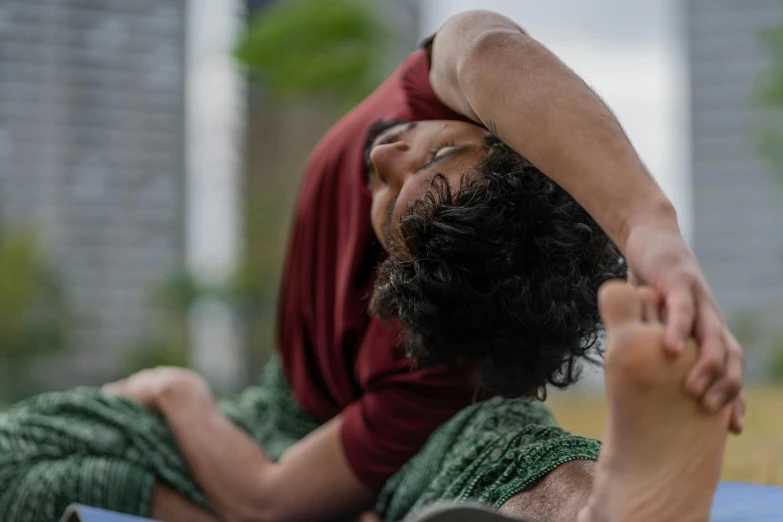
(85, 446)
(88, 447)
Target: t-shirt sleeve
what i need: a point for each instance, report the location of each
(415, 82)
(394, 418)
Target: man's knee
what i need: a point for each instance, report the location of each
(557, 497)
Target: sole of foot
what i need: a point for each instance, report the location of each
(661, 455)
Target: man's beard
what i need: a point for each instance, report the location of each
(377, 128)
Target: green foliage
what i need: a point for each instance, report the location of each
(776, 361)
(33, 320)
(772, 92)
(169, 343)
(770, 96)
(315, 47)
(33, 312)
(746, 327)
(154, 351)
(770, 142)
(771, 145)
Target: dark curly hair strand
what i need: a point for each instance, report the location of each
(503, 272)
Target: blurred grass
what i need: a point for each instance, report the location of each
(755, 456)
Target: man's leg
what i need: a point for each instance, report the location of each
(661, 455)
(558, 497)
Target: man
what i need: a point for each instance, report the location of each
(660, 459)
(324, 434)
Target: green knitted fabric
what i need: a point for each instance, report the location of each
(88, 447)
(487, 453)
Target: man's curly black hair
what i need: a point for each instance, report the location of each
(503, 272)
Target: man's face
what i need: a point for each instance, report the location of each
(403, 158)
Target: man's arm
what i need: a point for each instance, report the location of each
(486, 68)
(312, 481)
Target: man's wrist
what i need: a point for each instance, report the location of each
(654, 216)
(181, 393)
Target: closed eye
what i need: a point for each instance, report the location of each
(441, 153)
(443, 150)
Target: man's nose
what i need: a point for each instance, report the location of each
(391, 161)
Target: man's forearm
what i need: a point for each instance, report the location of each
(539, 107)
(312, 481)
(226, 463)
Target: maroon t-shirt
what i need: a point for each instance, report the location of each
(336, 358)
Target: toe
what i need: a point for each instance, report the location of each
(619, 303)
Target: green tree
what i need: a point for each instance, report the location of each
(168, 343)
(33, 313)
(771, 141)
(301, 48)
(771, 97)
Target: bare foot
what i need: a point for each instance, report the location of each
(662, 454)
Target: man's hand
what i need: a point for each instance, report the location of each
(149, 386)
(660, 258)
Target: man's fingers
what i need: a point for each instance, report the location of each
(737, 422)
(713, 360)
(680, 314)
(729, 384)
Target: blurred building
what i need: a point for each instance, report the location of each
(122, 128)
(91, 155)
(737, 202)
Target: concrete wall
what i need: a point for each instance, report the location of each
(737, 202)
(91, 155)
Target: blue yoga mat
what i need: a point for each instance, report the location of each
(734, 502)
(738, 502)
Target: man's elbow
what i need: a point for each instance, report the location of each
(494, 50)
(477, 20)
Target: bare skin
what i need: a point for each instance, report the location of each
(170, 506)
(544, 111)
(662, 453)
(547, 114)
(405, 158)
(558, 497)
